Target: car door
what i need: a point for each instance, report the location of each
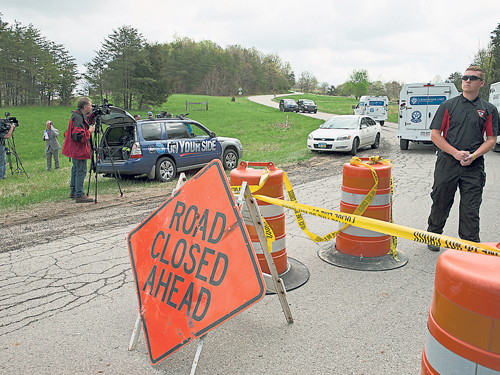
(208, 147)
(364, 135)
(372, 130)
(179, 145)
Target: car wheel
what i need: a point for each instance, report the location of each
(230, 159)
(382, 123)
(315, 111)
(403, 144)
(355, 145)
(165, 170)
(377, 141)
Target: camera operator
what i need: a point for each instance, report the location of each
(77, 147)
(3, 136)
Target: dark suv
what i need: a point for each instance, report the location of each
(288, 105)
(160, 147)
(307, 105)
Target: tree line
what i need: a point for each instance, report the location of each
(134, 73)
(129, 70)
(33, 70)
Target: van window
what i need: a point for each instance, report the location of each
(151, 131)
(177, 131)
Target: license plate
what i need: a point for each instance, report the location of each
(425, 134)
(322, 145)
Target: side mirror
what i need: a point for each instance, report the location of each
(212, 135)
(353, 107)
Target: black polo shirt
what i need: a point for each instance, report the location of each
(465, 123)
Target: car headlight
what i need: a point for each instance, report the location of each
(310, 136)
(344, 138)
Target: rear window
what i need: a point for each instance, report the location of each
(151, 132)
(118, 135)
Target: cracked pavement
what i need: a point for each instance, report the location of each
(68, 303)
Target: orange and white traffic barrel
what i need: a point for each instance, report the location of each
(366, 191)
(287, 268)
(357, 182)
(274, 215)
(464, 319)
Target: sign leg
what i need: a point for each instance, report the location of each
(256, 216)
(135, 333)
(197, 355)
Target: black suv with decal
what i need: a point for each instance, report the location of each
(161, 147)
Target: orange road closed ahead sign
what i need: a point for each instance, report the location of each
(193, 264)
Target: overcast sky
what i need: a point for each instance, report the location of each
(407, 41)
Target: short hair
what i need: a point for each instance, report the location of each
(476, 68)
(50, 122)
(82, 102)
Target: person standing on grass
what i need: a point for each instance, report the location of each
(52, 145)
(3, 136)
(77, 147)
(464, 128)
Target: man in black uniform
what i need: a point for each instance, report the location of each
(459, 129)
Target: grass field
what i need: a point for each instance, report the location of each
(265, 133)
(339, 105)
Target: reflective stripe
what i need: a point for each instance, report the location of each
(268, 210)
(271, 210)
(445, 362)
(360, 232)
(278, 245)
(356, 199)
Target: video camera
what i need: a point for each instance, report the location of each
(164, 114)
(98, 111)
(102, 109)
(6, 123)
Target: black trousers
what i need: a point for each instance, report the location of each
(448, 174)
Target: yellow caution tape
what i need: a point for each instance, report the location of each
(384, 227)
(270, 238)
(394, 230)
(358, 211)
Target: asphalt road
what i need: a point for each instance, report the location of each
(68, 305)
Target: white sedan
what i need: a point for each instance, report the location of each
(345, 134)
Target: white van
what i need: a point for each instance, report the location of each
(374, 106)
(495, 100)
(418, 103)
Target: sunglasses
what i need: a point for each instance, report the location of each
(472, 78)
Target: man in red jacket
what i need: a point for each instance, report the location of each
(77, 147)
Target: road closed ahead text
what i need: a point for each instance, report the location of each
(186, 250)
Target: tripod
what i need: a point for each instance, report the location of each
(10, 149)
(94, 146)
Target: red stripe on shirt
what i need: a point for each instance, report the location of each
(488, 126)
(445, 125)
